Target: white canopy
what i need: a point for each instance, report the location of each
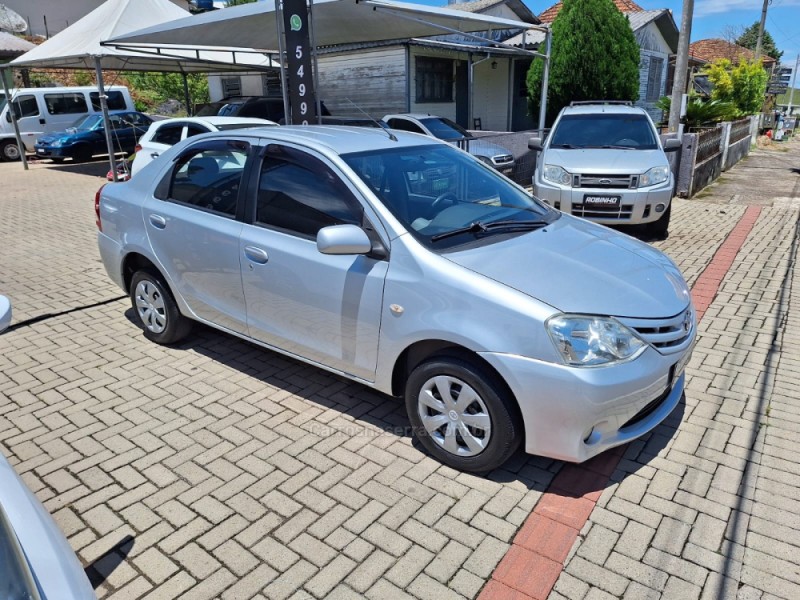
(253, 26)
(77, 46)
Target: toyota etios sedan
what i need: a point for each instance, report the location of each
(406, 264)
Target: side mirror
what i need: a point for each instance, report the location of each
(8, 116)
(672, 144)
(343, 239)
(5, 313)
(535, 144)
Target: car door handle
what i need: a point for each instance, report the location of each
(256, 255)
(158, 221)
(154, 155)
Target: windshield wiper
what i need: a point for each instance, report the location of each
(481, 227)
(614, 147)
(565, 146)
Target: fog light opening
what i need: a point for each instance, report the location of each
(661, 208)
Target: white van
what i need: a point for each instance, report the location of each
(47, 110)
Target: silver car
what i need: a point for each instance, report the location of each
(404, 264)
(605, 162)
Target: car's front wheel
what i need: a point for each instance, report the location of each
(660, 229)
(9, 151)
(462, 414)
(156, 309)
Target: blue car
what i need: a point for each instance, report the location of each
(87, 137)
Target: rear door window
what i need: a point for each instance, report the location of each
(66, 104)
(115, 100)
(168, 134)
(193, 129)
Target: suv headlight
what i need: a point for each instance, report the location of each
(556, 174)
(586, 341)
(654, 176)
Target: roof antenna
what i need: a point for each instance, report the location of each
(380, 124)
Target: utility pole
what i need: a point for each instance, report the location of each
(761, 28)
(794, 79)
(681, 66)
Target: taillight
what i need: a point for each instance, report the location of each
(97, 207)
(138, 148)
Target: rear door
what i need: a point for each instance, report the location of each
(63, 109)
(194, 222)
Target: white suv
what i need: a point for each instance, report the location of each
(165, 134)
(604, 161)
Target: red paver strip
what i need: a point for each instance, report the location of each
(532, 565)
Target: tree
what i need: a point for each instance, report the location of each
(742, 85)
(152, 89)
(749, 38)
(594, 57)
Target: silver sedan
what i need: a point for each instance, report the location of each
(408, 265)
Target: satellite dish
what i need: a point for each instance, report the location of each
(11, 21)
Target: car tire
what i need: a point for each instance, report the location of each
(660, 229)
(492, 425)
(156, 310)
(82, 154)
(9, 151)
(57, 161)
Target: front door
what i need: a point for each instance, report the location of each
(194, 231)
(321, 307)
(462, 94)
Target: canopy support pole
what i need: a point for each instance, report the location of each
(186, 95)
(11, 112)
(545, 78)
(98, 67)
(313, 41)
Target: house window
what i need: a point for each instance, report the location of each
(231, 86)
(654, 79)
(271, 84)
(434, 78)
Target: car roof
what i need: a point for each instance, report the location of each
(214, 120)
(340, 139)
(413, 116)
(593, 109)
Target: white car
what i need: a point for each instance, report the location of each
(5, 313)
(165, 134)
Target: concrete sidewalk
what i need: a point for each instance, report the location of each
(218, 469)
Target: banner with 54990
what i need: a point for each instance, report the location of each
(302, 96)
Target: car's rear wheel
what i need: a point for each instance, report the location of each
(462, 414)
(9, 151)
(156, 309)
(660, 229)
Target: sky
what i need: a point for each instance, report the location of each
(712, 17)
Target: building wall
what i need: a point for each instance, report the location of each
(60, 13)
(651, 44)
(372, 81)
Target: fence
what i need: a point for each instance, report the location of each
(516, 143)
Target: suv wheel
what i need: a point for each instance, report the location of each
(461, 415)
(9, 151)
(156, 309)
(660, 229)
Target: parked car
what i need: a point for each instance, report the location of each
(41, 111)
(168, 132)
(445, 129)
(405, 265)
(604, 161)
(5, 313)
(87, 137)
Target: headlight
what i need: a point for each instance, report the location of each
(556, 174)
(654, 176)
(60, 142)
(585, 341)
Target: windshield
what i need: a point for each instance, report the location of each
(2, 101)
(87, 123)
(615, 130)
(435, 189)
(445, 129)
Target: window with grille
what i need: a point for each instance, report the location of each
(654, 79)
(231, 86)
(434, 77)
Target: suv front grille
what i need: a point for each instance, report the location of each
(502, 159)
(611, 182)
(666, 335)
(623, 212)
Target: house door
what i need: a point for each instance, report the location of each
(462, 94)
(521, 120)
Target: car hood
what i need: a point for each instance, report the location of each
(480, 148)
(580, 267)
(72, 136)
(605, 161)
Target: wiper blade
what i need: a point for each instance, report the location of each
(613, 147)
(481, 227)
(565, 146)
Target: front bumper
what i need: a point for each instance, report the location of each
(638, 205)
(51, 152)
(574, 414)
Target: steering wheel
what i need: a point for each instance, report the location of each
(626, 142)
(442, 198)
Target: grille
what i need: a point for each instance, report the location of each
(610, 182)
(501, 159)
(666, 335)
(622, 212)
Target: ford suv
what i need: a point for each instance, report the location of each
(603, 161)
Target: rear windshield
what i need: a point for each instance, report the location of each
(445, 129)
(604, 130)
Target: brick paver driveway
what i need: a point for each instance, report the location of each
(218, 469)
